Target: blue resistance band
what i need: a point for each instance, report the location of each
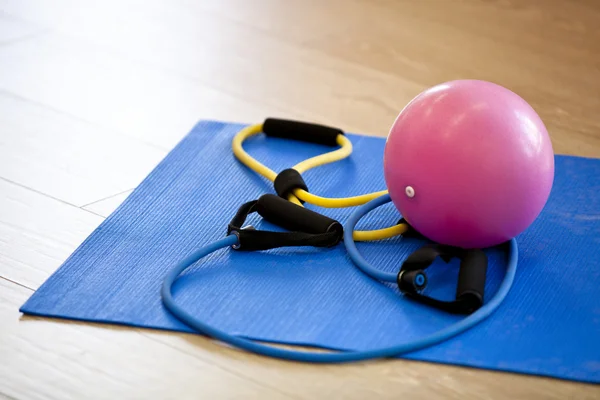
(337, 357)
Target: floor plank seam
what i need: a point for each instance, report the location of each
(49, 196)
(91, 212)
(186, 77)
(17, 283)
(106, 198)
(37, 191)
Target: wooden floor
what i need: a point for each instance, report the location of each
(94, 94)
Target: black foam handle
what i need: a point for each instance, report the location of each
(293, 217)
(287, 181)
(471, 277)
(303, 131)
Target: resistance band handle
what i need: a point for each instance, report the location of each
(292, 217)
(309, 228)
(471, 278)
(255, 240)
(303, 131)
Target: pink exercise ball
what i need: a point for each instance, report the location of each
(469, 164)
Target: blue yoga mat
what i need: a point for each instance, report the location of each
(549, 325)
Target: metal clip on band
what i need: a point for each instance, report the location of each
(308, 228)
(471, 278)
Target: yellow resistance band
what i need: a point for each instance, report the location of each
(299, 194)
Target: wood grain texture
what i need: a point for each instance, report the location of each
(12, 29)
(91, 163)
(140, 101)
(106, 206)
(92, 94)
(44, 359)
(38, 233)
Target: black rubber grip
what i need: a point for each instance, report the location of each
(471, 277)
(472, 274)
(292, 217)
(288, 180)
(407, 281)
(303, 131)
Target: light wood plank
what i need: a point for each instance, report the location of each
(137, 100)
(546, 51)
(44, 359)
(380, 379)
(363, 77)
(231, 58)
(427, 43)
(12, 29)
(314, 18)
(37, 233)
(68, 159)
